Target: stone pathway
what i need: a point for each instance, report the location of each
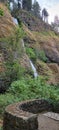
(52, 115)
(48, 121)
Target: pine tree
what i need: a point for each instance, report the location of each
(45, 15)
(36, 9)
(27, 4)
(19, 4)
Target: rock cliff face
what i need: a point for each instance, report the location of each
(48, 44)
(41, 38)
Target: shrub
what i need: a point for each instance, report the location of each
(1, 12)
(37, 87)
(41, 55)
(31, 53)
(30, 88)
(1, 128)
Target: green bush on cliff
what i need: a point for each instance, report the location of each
(41, 55)
(31, 53)
(1, 12)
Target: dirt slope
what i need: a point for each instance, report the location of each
(6, 23)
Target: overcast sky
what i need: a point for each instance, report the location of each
(52, 6)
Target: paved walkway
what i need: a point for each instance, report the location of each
(48, 121)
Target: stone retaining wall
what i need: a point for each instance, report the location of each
(23, 116)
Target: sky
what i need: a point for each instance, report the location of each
(52, 7)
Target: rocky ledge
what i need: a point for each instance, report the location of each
(24, 115)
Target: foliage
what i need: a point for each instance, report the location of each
(1, 128)
(12, 49)
(36, 9)
(36, 87)
(27, 4)
(41, 55)
(31, 53)
(29, 88)
(1, 12)
(45, 14)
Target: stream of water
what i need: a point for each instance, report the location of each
(34, 69)
(15, 21)
(31, 63)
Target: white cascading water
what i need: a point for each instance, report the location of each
(31, 63)
(15, 21)
(34, 69)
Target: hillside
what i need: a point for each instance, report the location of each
(30, 44)
(12, 54)
(41, 46)
(7, 26)
(43, 42)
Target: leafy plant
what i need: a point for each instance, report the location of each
(1, 12)
(1, 128)
(30, 88)
(41, 55)
(31, 53)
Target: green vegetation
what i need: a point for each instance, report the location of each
(1, 128)
(1, 12)
(41, 55)
(35, 54)
(13, 50)
(29, 88)
(31, 53)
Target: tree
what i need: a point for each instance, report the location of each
(56, 20)
(27, 4)
(55, 24)
(36, 9)
(19, 4)
(45, 15)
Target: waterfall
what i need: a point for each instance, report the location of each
(34, 69)
(23, 43)
(15, 21)
(32, 65)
